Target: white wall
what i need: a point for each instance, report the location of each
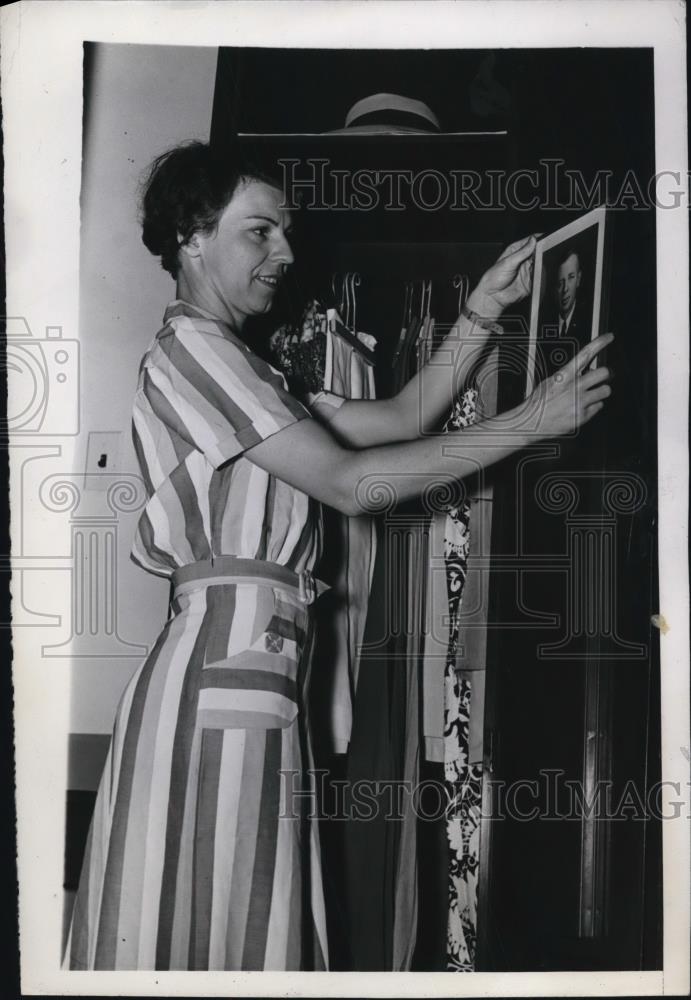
(144, 99)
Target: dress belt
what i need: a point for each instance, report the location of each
(233, 569)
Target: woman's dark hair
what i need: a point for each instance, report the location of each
(186, 191)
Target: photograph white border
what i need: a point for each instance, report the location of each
(597, 217)
(42, 107)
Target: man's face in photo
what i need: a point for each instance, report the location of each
(568, 281)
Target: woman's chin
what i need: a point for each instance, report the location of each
(264, 301)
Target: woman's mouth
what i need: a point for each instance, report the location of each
(270, 280)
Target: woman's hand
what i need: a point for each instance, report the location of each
(507, 281)
(573, 395)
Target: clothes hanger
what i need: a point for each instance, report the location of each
(409, 341)
(428, 297)
(406, 305)
(338, 291)
(462, 283)
(347, 312)
(350, 304)
(423, 345)
(405, 322)
(419, 295)
(355, 282)
(410, 292)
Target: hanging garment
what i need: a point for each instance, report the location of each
(350, 547)
(464, 683)
(378, 756)
(406, 885)
(299, 351)
(463, 778)
(384, 748)
(375, 763)
(199, 856)
(409, 695)
(415, 537)
(445, 728)
(330, 364)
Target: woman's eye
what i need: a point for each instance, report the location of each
(260, 231)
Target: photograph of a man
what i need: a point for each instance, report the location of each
(568, 283)
(566, 313)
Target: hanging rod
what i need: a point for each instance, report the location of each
(417, 136)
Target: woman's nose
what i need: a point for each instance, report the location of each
(282, 251)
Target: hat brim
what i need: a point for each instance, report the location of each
(381, 130)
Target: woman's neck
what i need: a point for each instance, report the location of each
(200, 295)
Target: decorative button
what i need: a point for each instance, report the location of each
(273, 642)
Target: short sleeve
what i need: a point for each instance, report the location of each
(324, 405)
(215, 392)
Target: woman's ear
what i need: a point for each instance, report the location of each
(191, 247)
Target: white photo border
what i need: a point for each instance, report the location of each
(597, 217)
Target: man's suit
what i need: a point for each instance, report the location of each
(558, 348)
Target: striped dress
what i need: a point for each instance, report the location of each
(203, 850)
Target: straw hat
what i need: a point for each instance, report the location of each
(389, 114)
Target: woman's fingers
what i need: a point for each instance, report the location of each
(520, 253)
(586, 355)
(572, 396)
(520, 244)
(597, 394)
(525, 273)
(509, 278)
(513, 247)
(590, 411)
(591, 350)
(595, 377)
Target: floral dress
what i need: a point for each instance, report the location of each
(463, 780)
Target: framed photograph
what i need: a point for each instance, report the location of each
(570, 294)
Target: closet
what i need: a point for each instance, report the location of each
(549, 894)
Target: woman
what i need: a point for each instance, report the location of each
(201, 854)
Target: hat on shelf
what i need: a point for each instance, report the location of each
(389, 114)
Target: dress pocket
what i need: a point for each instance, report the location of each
(256, 685)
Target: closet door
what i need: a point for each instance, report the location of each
(571, 839)
(573, 660)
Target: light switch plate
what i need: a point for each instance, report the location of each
(102, 456)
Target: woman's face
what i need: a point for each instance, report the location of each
(243, 261)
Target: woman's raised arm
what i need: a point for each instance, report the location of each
(429, 394)
(308, 457)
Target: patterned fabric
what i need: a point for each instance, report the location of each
(464, 780)
(299, 350)
(199, 855)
